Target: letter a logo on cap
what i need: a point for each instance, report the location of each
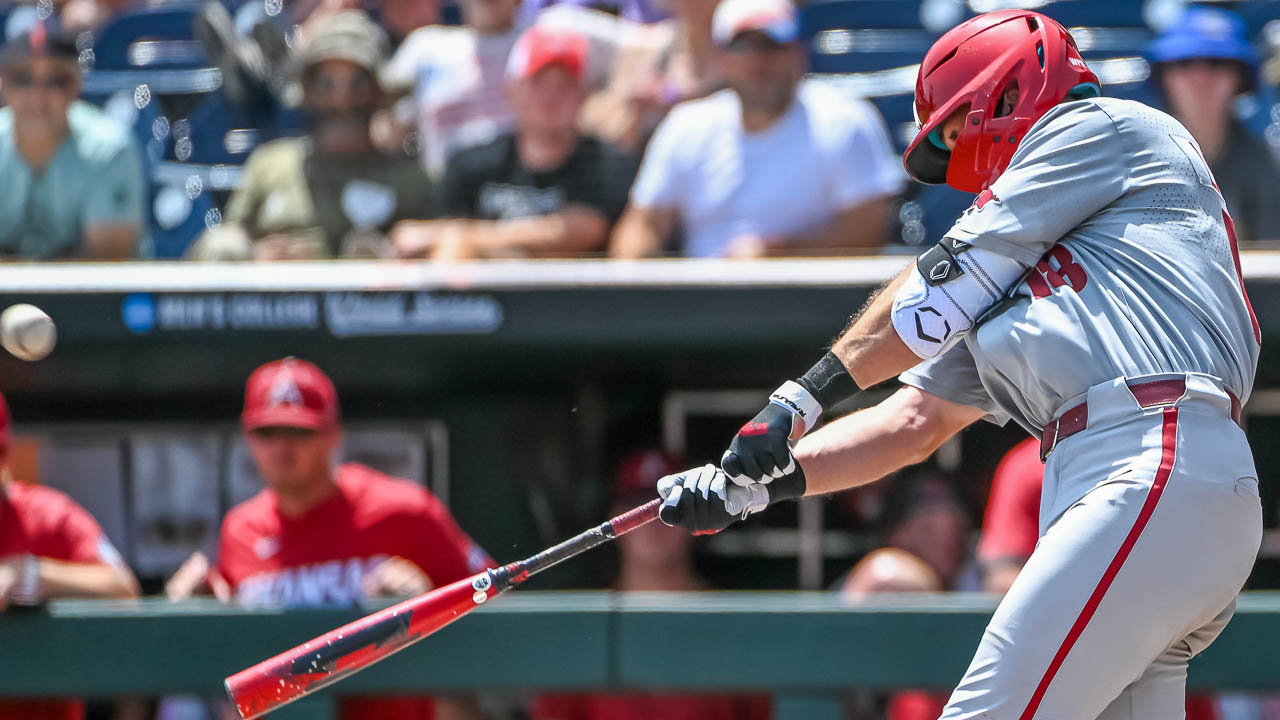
(284, 391)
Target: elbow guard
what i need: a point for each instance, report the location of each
(951, 286)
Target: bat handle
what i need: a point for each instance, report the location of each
(515, 573)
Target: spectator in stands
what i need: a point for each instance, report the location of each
(324, 535)
(542, 190)
(926, 529)
(776, 165)
(655, 68)
(456, 77)
(636, 11)
(926, 533)
(50, 547)
(651, 559)
(402, 17)
(73, 178)
(1011, 524)
(1202, 64)
(331, 193)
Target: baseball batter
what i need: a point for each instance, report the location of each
(1092, 294)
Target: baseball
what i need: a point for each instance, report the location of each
(27, 332)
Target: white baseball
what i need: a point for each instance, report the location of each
(27, 332)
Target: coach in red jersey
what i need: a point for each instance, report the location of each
(320, 535)
(50, 547)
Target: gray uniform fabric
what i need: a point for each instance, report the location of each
(1123, 191)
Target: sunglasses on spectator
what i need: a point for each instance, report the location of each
(272, 431)
(25, 80)
(324, 83)
(754, 42)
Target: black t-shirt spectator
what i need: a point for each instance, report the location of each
(488, 182)
(1248, 174)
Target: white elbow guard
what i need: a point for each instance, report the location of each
(952, 285)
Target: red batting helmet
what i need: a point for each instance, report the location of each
(973, 64)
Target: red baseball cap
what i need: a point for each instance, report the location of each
(290, 393)
(542, 46)
(638, 474)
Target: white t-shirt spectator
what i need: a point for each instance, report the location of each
(828, 153)
(458, 78)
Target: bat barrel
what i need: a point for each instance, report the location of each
(335, 655)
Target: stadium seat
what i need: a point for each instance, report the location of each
(152, 46)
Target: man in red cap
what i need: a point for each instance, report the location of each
(325, 535)
(544, 189)
(50, 547)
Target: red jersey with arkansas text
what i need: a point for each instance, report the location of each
(44, 522)
(321, 558)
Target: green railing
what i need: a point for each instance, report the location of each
(808, 649)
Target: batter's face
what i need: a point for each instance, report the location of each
(763, 72)
(293, 459)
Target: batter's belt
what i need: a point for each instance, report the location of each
(1151, 393)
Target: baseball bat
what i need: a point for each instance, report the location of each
(355, 646)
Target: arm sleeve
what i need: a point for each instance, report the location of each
(118, 196)
(1070, 166)
(1011, 525)
(443, 551)
(658, 183)
(953, 376)
(863, 163)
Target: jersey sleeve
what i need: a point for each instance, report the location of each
(953, 376)
(1070, 166)
(441, 549)
(658, 184)
(83, 539)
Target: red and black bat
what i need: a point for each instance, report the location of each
(355, 646)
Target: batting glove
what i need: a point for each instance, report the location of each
(703, 501)
(761, 451)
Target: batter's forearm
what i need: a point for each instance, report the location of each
(904, 429)
(870, 348)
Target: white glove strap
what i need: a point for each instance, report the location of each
(792, 396)
(745, 500)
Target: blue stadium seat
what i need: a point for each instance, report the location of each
(217, 132)
(152, 37)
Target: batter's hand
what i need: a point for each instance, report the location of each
(703, 501)
(761, 451)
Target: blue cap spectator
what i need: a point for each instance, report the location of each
(1201, 65)
(1208, 34)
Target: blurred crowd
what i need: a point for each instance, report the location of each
(492, 129)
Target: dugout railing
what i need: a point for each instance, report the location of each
(808, 649)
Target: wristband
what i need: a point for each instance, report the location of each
(26, 590)
(795, 399)
(829, 382)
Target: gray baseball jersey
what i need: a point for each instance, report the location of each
(1133, 267)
